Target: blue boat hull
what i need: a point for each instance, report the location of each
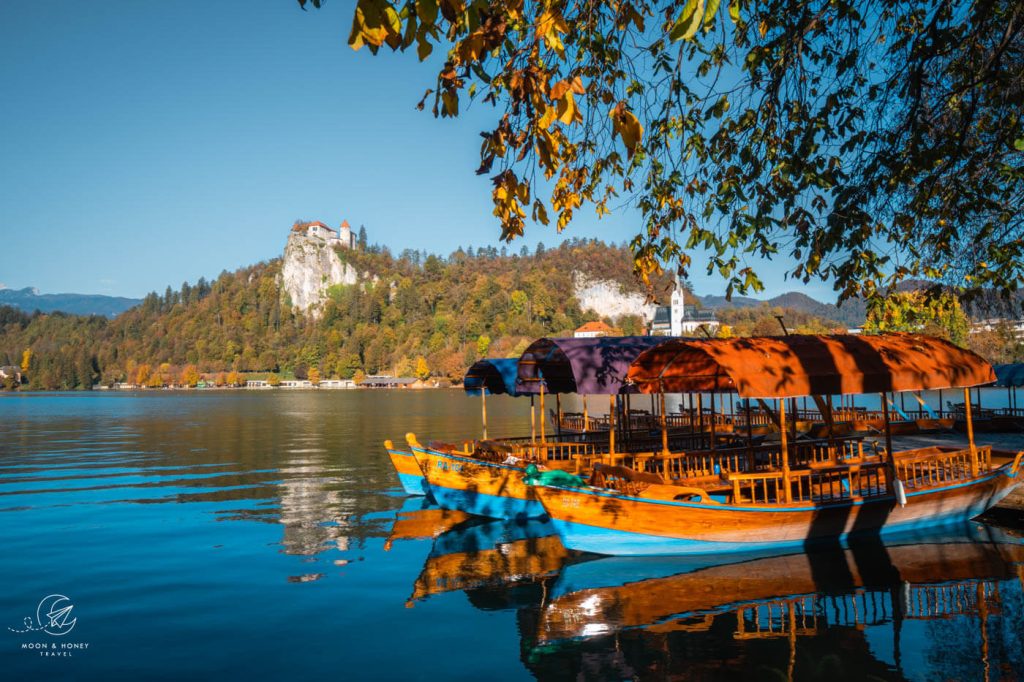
(491, 506)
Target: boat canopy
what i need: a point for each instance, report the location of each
(495, 375)
(1010, 374)
(586, 366)
(799, 365)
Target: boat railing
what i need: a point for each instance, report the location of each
(704, 463)
(1009, 411)
(930, 466)
(809, 485)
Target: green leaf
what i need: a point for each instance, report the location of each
(734, 10)
(1018, 144)
(689, 21)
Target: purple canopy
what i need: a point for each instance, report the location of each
(591, 366)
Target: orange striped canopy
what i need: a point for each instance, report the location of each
(799, 365)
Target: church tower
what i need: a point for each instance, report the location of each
(678, 304)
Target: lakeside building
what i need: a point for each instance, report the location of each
(296, 383)
(1015, 327)
(337, 383)
(11, 371)
(387, 381)
(680, 319)
(592, 330)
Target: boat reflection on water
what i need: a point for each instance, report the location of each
(419, 519)
(942, 605)
(488, 559)
(917, 607)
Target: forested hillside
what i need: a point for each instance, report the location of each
(448, 311)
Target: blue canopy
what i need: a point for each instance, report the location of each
(495, 375)
(1009, 375)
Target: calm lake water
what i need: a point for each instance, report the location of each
(263, 534)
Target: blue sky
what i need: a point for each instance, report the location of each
(143, 144)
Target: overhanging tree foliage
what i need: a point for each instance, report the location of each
(871, 140)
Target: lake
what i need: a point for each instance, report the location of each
(264, 535)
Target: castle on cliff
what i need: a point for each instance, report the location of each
(317, 230)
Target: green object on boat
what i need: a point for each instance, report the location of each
(535, 476)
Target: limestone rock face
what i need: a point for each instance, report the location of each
(310, 266)
(606, 298)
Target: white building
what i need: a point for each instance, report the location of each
(679, 319)
(318, 230)
(337, 383)
(345, 236)
(297, 383)
(1015, 327)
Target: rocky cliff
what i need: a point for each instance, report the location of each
(310, 266)
(607, 298)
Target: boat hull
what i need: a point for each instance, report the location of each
(606, 522)
(477, 487)
(409, 474)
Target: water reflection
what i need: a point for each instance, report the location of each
(480, 556)
(265, 535)
(941, 605)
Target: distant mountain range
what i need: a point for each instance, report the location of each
(851, 313)
(29, 299)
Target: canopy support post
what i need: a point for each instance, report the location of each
(830, 422)
(793, 422)
(611, 428)
(750, 437)
(970, 432)
(586, 417)
(700, 412)
(712, 422)
(787, 493)
(940, 403)
(543, 416)
(558, 423)
(890, 480)
(483, 408)
(533, 423)
(664, 426)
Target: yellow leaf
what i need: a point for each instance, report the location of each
(627, 126)
(567, 109)
(547, 119)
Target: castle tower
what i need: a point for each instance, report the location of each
(345, 234)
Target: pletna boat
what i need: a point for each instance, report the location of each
(486, 477)
(787, 505)
(496, 375)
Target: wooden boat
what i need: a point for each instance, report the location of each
(793, 506)
(496, 375)
(409, 474)
(486, 478)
